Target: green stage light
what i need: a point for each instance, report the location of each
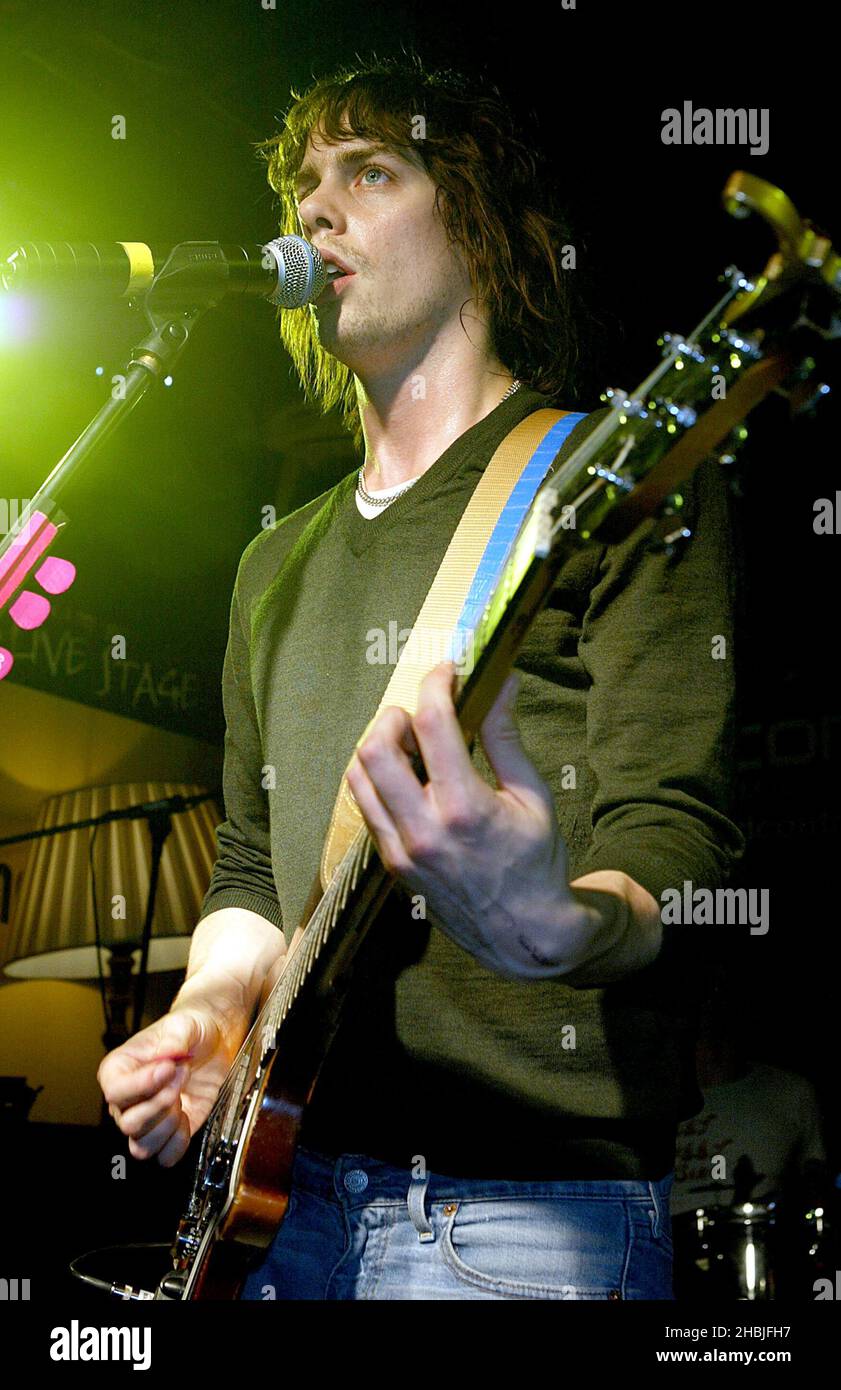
(17, 319)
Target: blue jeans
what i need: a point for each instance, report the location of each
(359, 1228)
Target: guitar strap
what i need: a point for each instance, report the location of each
(465, 581)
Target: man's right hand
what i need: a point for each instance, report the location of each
(157, 1102)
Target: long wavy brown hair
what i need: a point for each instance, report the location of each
(500, 208)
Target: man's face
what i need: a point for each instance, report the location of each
(376, 210)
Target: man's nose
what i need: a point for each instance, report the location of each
(320, 210)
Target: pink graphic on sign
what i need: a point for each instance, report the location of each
(55, 574)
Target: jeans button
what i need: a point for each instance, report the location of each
(356, 1180)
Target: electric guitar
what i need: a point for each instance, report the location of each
(762, 335)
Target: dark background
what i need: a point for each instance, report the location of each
(187, 476)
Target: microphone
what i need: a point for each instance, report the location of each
(289, 271)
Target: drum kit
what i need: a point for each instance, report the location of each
(726, 1253)
(751, 1250)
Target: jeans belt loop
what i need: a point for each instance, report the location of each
(417, 1210)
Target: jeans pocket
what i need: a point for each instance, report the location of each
(651, 1266)
(541, 1249)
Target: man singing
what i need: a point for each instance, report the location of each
(496, 1117)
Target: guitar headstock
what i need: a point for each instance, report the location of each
(765, 334)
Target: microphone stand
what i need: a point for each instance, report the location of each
(186, 286)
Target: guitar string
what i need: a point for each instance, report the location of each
(288, 986)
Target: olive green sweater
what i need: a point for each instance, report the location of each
(441, 1057)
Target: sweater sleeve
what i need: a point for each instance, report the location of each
(657, 642)
(242, 875)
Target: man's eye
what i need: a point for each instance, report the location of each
(377, 169)
(305, 193)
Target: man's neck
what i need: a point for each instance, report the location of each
(410, 424)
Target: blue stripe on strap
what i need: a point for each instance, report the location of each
(505, 532)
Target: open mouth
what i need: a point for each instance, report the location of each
(336, 276)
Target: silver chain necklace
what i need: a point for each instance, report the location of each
(386, 501)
